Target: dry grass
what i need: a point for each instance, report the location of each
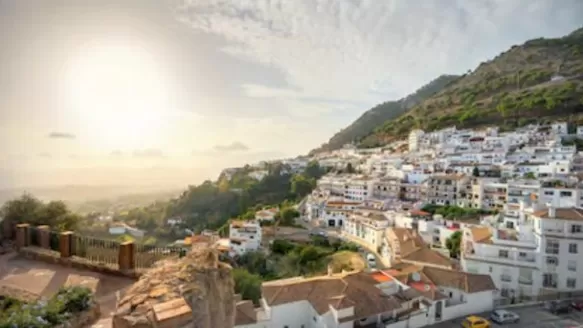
(348, 261)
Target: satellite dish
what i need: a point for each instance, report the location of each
(416, 276)
(427, 287)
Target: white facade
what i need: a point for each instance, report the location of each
(244, 236)
(368, 227)
(541, 254)
(414, 139)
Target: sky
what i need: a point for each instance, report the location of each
(170, 92)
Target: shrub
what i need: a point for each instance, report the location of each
(43, 313)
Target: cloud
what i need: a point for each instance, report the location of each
(233, 147)
(370, 50)
(148, 153)
(62, 135)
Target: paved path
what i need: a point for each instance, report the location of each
(45, 279)
(530, 317)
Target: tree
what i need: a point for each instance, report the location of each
(28, 209)
(530, 176)
(476, 172)
(350, 169)
(22, 210)
(247, 284)
(314, 170)
(281, 246)
(453, 244)
(302, 186)
(288, 215)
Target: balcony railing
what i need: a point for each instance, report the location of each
(524, 281)
(506, 278)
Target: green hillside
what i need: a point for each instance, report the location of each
(513, 89)
(367, 123)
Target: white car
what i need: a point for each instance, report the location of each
(371, 259)
(503, 316)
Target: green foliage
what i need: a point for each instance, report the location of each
(302, 186)
(575, 142)
(454, 212)
(247, 284)
(44, 314)
(529, 175)
(453, 244)
(28, 209)
(476, 172)
(511, 89)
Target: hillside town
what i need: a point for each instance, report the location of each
(513, 199)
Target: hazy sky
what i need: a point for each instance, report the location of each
(127, 91)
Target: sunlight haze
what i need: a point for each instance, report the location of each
(152, 92)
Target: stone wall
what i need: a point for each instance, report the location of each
(199, 280)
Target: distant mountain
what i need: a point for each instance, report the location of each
(366, 124)
(539, 80)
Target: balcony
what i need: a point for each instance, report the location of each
(511, 260)
(525, 281)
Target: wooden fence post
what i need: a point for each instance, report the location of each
(22, 235)
(44, 235)
(65, 244)
(126, 256)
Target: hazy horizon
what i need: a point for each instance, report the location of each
(168, 92)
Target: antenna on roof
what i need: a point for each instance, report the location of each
(416, 276)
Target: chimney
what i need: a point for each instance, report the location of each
(552, 211)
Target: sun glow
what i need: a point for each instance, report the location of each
(120, 96)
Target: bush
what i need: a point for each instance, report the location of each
(43, 313)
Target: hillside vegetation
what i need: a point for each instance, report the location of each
(515, 88)
(368, 121)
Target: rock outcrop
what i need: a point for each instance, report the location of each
(195, 291)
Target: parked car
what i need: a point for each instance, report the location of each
(475, 322)
(371, 259)
(558, 307)
(577, 305)
(503, 316)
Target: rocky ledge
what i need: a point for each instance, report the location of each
(194, 291)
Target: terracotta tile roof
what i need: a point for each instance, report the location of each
(380, 277)
(468, 282)
(429, 257)
(409, 241)
(356, 289)
(481, 234)
(245, 313)
(419, 213)
(570, 214)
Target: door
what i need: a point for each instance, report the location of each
(438, 309)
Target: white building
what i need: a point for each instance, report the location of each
(378, 299)
(336, 212)
(266, 215)
(367, 227)
(244, 236)
(259, 174)
(538, 255)
(414, 139)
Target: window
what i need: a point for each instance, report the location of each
(490, 269)
(552, 260)
(573, 248)
(503, 253)
(521, 254)
(571, 282)
(572, 265)
(552, 247)
(550, 280)
(566, 194)
(549, 193)
(576, 228)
